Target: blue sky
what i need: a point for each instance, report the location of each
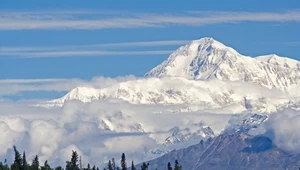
(85, 39)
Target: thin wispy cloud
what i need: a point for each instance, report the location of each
(48, 54)
(101, 20)
(294, 43)
(118, 45)
(25, 81)
(16, 86)
(107, 49)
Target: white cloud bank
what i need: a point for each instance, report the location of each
(133, 128)
(283, 128)
(53, 133)
(75, 20)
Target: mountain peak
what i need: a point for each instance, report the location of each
(207, 58)
(207, 40)
(195, 60)
(207, 43)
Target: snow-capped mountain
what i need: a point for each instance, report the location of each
(177, 138)
(206, 75)
(185, 135)
(204, 81)
(244, 123)
(207, 58)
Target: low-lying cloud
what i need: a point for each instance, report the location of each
(98, 130)
(283, 127)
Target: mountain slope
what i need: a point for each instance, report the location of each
(234, 152)
(207, 58)
(282, 61)
(192, 95)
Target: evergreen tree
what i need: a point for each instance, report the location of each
(94, 167)
(59, 168)
(89, 167)
(17, 165)
(80, 163)
(3, 167)
(46, 166)
(123, 162)
(169, 166)
(109, 165)
(113, 163)
(144, 166)
(35, 163)
(132, 166)
(24, 162)
(73, 164)
(177, 166)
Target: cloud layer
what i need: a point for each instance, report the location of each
(283, 128)
(53, 133)
(104, 20)
(108, 49)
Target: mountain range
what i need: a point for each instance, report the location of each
(206, 75)
(233, 152)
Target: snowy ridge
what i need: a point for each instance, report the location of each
(185, 135)
(245, 123)
(234, 97)
(277, 60)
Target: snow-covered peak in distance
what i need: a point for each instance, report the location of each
(283, 61)
(207, 59)
(84, 94)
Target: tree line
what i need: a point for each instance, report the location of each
(20, 163)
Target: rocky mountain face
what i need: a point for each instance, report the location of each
(207, 58)
(232, 152)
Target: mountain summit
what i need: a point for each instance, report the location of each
(207, 58)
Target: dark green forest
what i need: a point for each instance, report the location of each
(20, 163)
